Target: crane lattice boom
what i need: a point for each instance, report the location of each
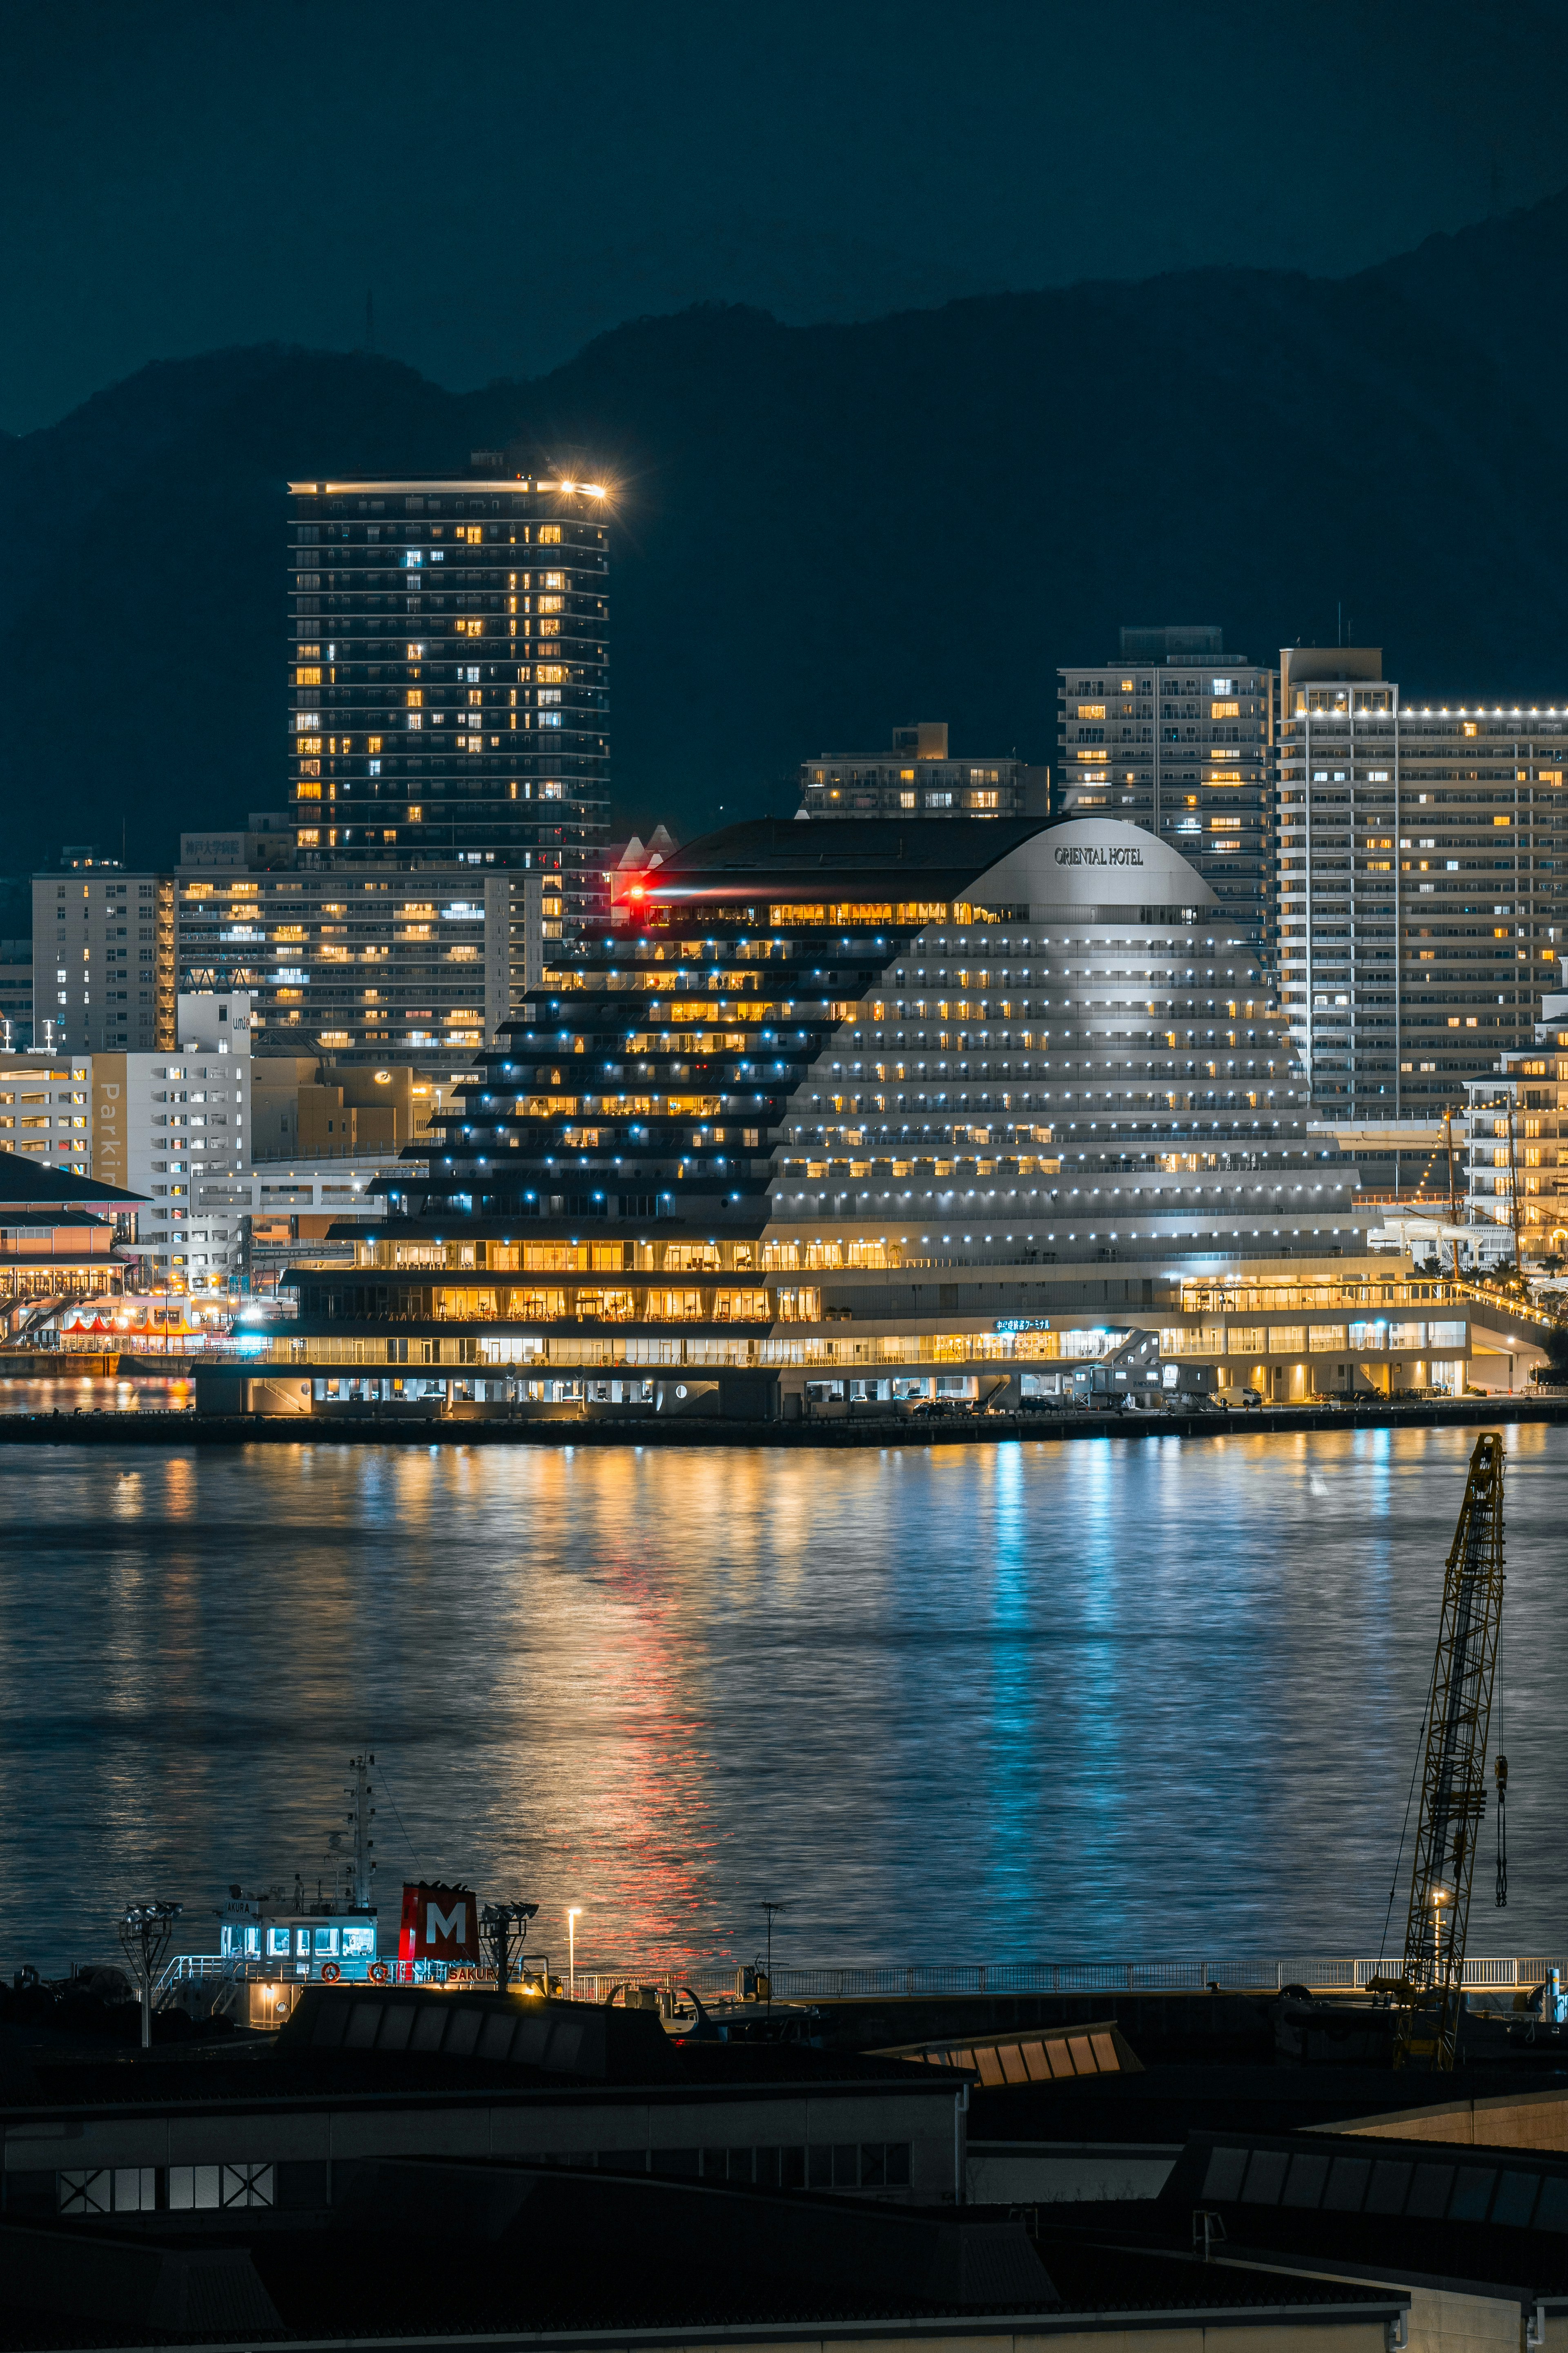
(1453, 1780)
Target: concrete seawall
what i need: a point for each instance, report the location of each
(187, 1430)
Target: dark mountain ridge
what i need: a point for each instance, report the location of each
(822, 531)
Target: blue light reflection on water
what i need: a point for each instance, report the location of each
(1101, 1697)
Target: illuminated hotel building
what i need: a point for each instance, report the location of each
(1423, 866)
(1177, 736)
(941, 1114)
(448, 674)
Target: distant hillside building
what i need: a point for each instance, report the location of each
(919, 779)
(1177, 736)
(448, 694)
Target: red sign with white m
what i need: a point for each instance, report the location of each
(439, 1924)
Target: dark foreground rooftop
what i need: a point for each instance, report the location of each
(442, 2252)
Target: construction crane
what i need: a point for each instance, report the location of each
(1453, 1778)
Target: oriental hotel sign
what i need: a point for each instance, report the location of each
(1116, 856)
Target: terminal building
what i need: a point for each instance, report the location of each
(879, 1118)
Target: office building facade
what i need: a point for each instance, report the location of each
(1423, 864)
(1177, 737)
(103, 959)
(449, 675)
(918, 777)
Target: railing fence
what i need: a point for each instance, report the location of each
(717, 1980)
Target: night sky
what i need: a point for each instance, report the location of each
(510, 180)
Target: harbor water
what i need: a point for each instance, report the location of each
(1123, 1697)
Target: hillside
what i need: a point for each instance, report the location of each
(822, 531)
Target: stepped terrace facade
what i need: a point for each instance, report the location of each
(895, 1110)
(804, 1040)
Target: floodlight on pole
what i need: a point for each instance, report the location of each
(497, 1922)
(146, 1932)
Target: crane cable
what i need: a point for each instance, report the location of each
(1500, 1767)
(1403, 1827)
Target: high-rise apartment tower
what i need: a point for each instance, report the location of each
(1423, 885)
(1177, 736)
(448, 673)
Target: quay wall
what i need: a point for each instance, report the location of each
(341, 1428)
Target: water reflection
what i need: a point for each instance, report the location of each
(79, 1393)
(986, 1703)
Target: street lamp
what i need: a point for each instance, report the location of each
(146, 1932)
(573, 1916)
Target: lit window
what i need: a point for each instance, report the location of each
(550, 534)
(307, 678)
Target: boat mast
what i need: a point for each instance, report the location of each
(364, 1814)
